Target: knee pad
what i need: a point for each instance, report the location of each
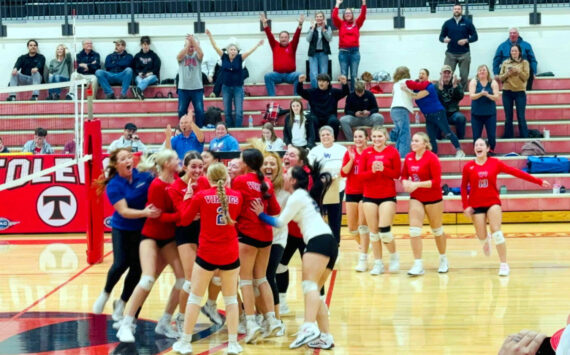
(179, 284)
(216, 280)
(438, 232)
(415, 232)
(386, 234)
(193, 299)
(498, 237)
(309, 286)
(186, 287)
(363, 229)
(146, 282)
(243, 283)
(229, 300)
(258, 282)
(281, 269)
(374, 237)
(354, 232)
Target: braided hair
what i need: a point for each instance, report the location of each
(218, 174)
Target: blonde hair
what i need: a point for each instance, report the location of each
(218, 174)
(489, 77)
(64, 51)
(156, 161)
(381, 129)
(278, 180)
(401, 73)
(425, 138)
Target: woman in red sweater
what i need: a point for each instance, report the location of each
(349, 40)
(421, 177)
(379, 166)
(480, 197)
(157, 244)
(354, 213)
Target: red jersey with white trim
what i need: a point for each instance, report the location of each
(353, 182)
(218, 239)
(163, 227)
(482, 181)
(379, 184)
(178, 189)
(426, 168)
(248, 223)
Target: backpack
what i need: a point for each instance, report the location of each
(542, 165)
(533, 148)
(271, 113)
(212, 116)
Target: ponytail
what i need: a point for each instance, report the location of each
(321, 181)
(254, 160)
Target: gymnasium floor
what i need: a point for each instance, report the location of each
(47, 291)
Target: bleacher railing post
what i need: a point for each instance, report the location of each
(199, 26)
(534, 17)
(133, 26)
(66, 28)
(264, 13)
(399, 20)
(3, 30)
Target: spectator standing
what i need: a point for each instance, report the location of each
(190, 87)
(298, 129)
(349, 40)
(88, 62)
(484, 92)
(130, 139)
(3, 148)
(190, 138)
(323, 101)
(223, 142)
(38, 145)
(270, 140)
(450, 93)
(60, 69)
(400, 110)
(319, 37)
(361, 109)
(504, 52)
(117, 71)
(28, 70)
(458, 32)
(147, 68)
(515, 72)
(284, 66)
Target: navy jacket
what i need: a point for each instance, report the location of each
(456, 31)
(116, 63)
(504, 52)
(147, 63)
(93, 61)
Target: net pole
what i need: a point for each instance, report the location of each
(94, 169)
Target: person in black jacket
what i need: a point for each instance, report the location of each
(298, 129)
(117, 71)
(28, 70)
(147, 68)
(88, 62)
(323, 101)
(361, 109)
(450, 93)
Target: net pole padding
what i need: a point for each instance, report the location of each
(94, 169)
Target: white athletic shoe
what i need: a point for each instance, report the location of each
(125, 333)
(443, 266)
(234, 348)
(212, 313)
(116, 325)
(166, 330)
(487, 245)
(253, 332)
(307, 333)
(325, 341)
(118, 309)
(271, 327)
(281, 331)
(180, 323)
(259, 320)
(242, 325)
(378, 268)
(417, 269)
(504, 269)
(362, 265)
(182, 347)
(394, 262)
(99, 304)
(283, 306)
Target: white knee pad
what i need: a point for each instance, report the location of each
(258, 282)
(243, 283)
(438, 232)
(309, 286)
(363, 229)
(415, 232)
(193, 299)
(281, 269)
(179, 284)
(498, 237)
(386, 237)
(146, 282)
(228, 300)
(354, 232)
(216, 280)
(186, 287)
(374, 237)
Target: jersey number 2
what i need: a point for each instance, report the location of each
(220, 218)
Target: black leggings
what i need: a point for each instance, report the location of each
(293, 243)
(125, 256)
(274, 260)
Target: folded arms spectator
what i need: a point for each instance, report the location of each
(88, 62)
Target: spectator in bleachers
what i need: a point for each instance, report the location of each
(28, 70)
(38, 145)
(209, 69)
(450, 93)
(298, 129)
(232, 79)
(504, 53)
(190, 87)
(3, 148)
(349, 40)
(400, 110)
(361, 109)
(284, 66)
(323, 101)
(484, 92)
(130, 139)
(147, 68)
(88, 62)
(319, 37)
(190, 138)
(514, 74)
(69, 147)
(458, 32)
(60, 69)
(117, 71)
(270, 140)
(223, 141)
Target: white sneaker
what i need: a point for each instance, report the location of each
(99, 304)
(125, 333)
(234, 348)
(504, 269)
(281, 331)
(362, 265)
(259, 320)
(166, 330)
(182, 347)
(116, 325)
(443, 266)
(417, 269)
(325, 341)
(180, 323)
(460, 154)
(271, 327)
(394, 262)
(253, 332)
(242, 325)
(118, 309)
(212, 313)
(283, 306)
(307, 333)
(378, 268)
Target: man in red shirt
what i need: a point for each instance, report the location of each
(284, 67)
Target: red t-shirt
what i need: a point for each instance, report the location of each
(283, 57)
(353, 182)
(482, 181)
(178, 189)
(427, 168)
(163, 227)
(218, 240)
(379, 184)
(349, 33)
(248, 222)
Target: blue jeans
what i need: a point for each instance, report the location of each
(235, 94)
(56, 79)
(197, 99)
(349, 58)
(490, 124)
(519, 99)
(143, 83)
(435, 122)
(277, 78)
(318, 64)
(401, 135)
(459, 121)
(106, 78)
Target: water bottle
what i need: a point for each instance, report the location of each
(250, 120)
(417, 118)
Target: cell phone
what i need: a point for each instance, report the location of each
(546, 348)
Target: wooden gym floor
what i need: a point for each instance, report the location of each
(47, 291)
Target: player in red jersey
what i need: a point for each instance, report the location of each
(255, 239)
(218, 207)
(378, 167)
(421, 177)
(208, 158)
(354, 188)
(157, 244)
(481, 202)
